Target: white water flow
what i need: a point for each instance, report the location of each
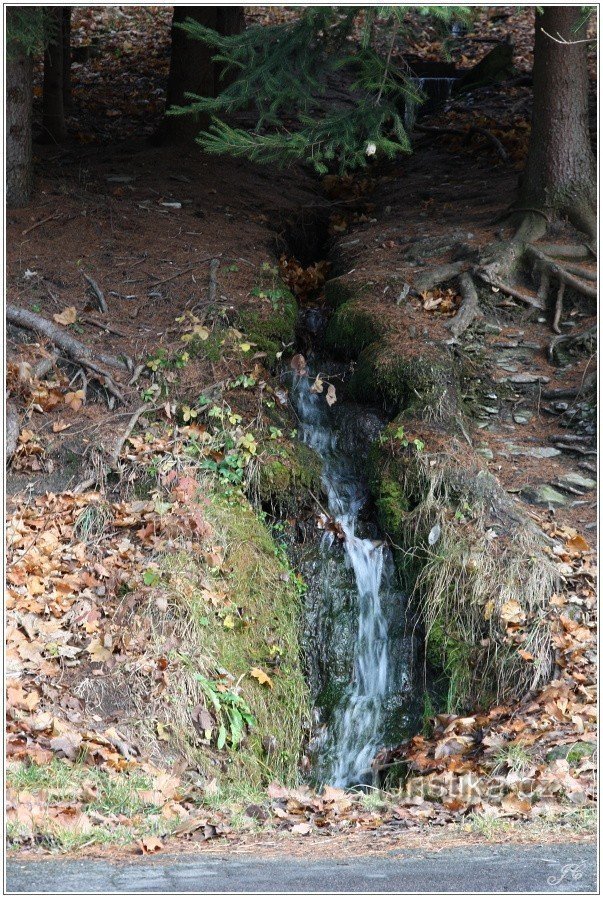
(355, 729)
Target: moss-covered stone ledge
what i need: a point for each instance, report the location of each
(270, 324)
(289, 478)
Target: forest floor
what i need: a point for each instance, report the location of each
(145, 223)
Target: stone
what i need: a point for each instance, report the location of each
(575, 479)
(485, 453)
(535, 452)
(522, 417)
(525, 378)
(544, 494)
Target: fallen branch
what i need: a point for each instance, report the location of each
(114, 457)
(469, 309)
(76, 350)
(97, 293)
(42, 221)
(109, 328)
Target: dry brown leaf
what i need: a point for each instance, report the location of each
(67, 316)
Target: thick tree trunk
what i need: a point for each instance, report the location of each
(66, 40)
(19, 99)
(192, 69)
(560, 172)
(53, 110)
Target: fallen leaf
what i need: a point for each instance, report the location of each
(150, 845)
(67, 316)
(261, 676)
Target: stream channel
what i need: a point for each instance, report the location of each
(359, 642)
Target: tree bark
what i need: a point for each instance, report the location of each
(53, 111)
(66, 40)
(19, 100)
(560, 175)
(192, 69)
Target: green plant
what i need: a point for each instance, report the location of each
(512, 758)
(233, 714)
(286, 71)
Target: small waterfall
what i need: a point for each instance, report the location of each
(437, 92)
(356, 727)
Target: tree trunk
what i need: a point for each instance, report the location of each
(66, 40)
(192, 69)
(53, 112)
(19, 100)
(560, 175)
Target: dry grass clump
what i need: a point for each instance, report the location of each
(480, 578)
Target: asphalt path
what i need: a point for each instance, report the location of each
(547, 868)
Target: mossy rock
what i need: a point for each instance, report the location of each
(337, 292)
(351, 329)
(417, 385)
(272, 330)
(289, 477)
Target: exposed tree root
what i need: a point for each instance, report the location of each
(430, 278)
(76, 351)
(585, 340)
(469, 309)
(562, 275)
(497, 269)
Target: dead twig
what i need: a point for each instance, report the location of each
(42, 221)
(213, 281)
(109, 328)
(184, 271)
(114, 457)
(96, 293)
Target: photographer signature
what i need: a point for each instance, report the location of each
(573, 872)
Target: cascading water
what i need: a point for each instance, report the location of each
(381, 667)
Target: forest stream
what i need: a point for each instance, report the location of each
(355, 614)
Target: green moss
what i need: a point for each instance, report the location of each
(417, 385)
(337, 292)
(288, 477)
(350, 330)
(447, 653)
(262, 597)
(271, 331)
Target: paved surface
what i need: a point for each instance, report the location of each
(498, 868)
